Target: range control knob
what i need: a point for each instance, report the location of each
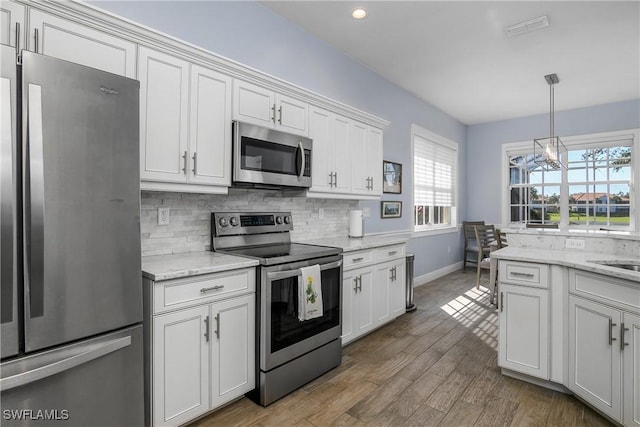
(223, 222)
(287, 219)
(234, 221)
(278, 220)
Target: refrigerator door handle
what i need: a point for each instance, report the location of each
(81, 356)
(34, 204)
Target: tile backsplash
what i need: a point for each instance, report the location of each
(189, 225)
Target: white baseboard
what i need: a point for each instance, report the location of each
(425, 278)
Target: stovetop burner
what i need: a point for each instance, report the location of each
(262, 236)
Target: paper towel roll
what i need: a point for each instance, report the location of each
(355, 223)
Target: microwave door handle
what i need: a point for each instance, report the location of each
(278, 275)
(300, 151)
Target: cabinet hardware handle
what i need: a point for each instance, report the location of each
(273, 113)
(213, 288)
(360, 283)
(280, 115)
(358, 259)
(206, 329)
(622, 331)
(516, 273)
(195, 163)
(330, 179)
(611, 325)
(36, 37)
(17, 38)
(335, 181)
(217, 331)
(184, 162)
(501, 302)
(391, 253)
(355, 285)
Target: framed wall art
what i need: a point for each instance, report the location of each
(391, 209)
(391, 177)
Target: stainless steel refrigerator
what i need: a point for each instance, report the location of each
(71, 301)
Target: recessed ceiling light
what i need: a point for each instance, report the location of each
(527, 26)
(359, 13)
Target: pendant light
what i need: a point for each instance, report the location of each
(548, 152)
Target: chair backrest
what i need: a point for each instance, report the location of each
(549, 225)
(469, 231)
(485, 236)
(501, 238)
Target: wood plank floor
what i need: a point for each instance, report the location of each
(436, 366)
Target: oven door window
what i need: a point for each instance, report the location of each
(286, 329)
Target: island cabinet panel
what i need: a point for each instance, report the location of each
(524, 330)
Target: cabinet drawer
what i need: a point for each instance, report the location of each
(355, 259)
(524, 273)
(179, 293)
(610, 290)
(389, 252)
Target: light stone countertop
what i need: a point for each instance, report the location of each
(350, 244)
(574, 259)
(611, 234)
(164, 267)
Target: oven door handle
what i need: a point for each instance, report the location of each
(278, 275)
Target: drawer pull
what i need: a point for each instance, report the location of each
(501, 302)
(358, 259)
(611, 325)
(217, 331)
(622, 331)
(516, 273)
(213, 288)
(391, 253)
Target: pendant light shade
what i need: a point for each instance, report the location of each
(548, 152)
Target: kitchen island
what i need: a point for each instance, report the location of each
(569, 315)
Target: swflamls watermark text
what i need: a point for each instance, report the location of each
(35, 414)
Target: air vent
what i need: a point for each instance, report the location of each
(527, 26)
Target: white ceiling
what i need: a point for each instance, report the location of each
(456, 55)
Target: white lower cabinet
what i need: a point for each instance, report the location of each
(203, 355)
(631, 368)
(373, 290)
(523, 344)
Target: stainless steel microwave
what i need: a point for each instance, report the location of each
(267, 157)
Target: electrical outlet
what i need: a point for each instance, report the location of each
(320, 213)
(366, 212)
(574, 243)
(163, 216)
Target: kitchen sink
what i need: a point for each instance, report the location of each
(627, 265)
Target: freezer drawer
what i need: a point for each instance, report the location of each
(98, 382)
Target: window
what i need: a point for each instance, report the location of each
(594, 191)
(434, 181)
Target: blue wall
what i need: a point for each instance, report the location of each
(484, 146)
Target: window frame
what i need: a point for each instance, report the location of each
(577, 142)
(452, 227)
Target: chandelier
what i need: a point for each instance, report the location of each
(548, 152)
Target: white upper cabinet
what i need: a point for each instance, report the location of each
(374, 159)
(64, 39)
(185, 125)
(164, 94)
(360, 171)
(12, 24)
(257, 105)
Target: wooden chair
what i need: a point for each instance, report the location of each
(501, 239)
(485, 238)
(536, 225)
(470, 244)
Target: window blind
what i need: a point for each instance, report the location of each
(435, 174)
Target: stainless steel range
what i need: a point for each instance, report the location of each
(290, 352)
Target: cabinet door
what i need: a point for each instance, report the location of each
(210, 127)
(253, 104)
(180, 366)
(292, 115)
(233, 349)
(374, 159)
(524, 330)
(398, 300)
(382, 293)
(164, 84)
(321, 131)
(360, 178)
(631, 369)
(81, 44)
(364, 319)
(349, 291)
(342, 154)
(594, 356)
(12, 24)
